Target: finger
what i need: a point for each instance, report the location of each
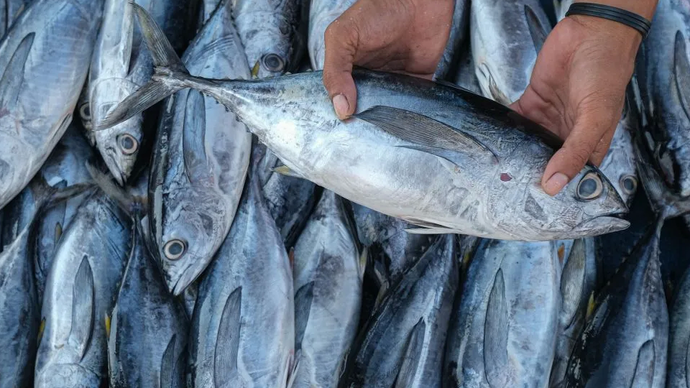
(341, 46)
(576, 151)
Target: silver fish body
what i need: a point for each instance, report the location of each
(402, 344)
(328, 292)
(458, 34)
(679, 337)
(269, 33)
(619, 164)
(579, 280)
(504, 329)
(200, 160)
(9, 11)
(625, 340)
(466, 77)
(506, 38)
(79, 296)
(148, 329)
(663, 77)
(44, 59)
(321, 14)
(242, 332)
(561, 8)
(207, 9)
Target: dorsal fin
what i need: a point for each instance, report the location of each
(228, 340)
(13, 76)
(496, 335)
(83, 314)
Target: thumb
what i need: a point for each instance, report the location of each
(341, 46)
(567, 162)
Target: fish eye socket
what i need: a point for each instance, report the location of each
(85, 111)
(174, 249)
(628, 184)
(128, 144)
(273, 62)
(590, 187)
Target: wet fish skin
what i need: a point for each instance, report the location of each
(458, 34)
(328, 291)
(663, 77)
(44, 59)
(207, 9)
(80, 294)
(619, 164)
(200, 159)
(561, 7)
(148, 330)
(466, 77)
(506, 37)
(404, 339)
(9, 10)
(501, 199)
(605, 356)
(321, 14)
(504, 326)
(242, 332)
(679, 336)
(579, 280)
(269, 33)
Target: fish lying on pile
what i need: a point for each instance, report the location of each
(9, 10)
(500, 198)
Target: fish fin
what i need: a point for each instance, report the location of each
(255, 70)
(161, 50)
(13, 76)
(82, 308)
(167, 367)
(228, 343)
(303, 300)
(681, 73)
(122, 198)
(496, 335)
(58, 233)
(293, 368)
(41, 329)
(572, 282)
(363, 259)
(426, 132)
(410, 364)
(536, 28)
(644, 369)
(433, 230)
(494, 92)
(137, 102)
(194, 136)
(287, 171)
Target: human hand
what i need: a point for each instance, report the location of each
(405, 36)
(577, 90)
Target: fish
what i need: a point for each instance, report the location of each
(9, 10)
(242, 332)
(290, 200)
(402, 343)
(459, 33)
(79, 296)
(148, 327)
(619, 164)
(321, 14)
(679, 336)
(506, 38)
(207, 9)
(663, 87)
(44, 60)
(505, 322)
(606, 356)
(382, 160)
(121, 64)
(579, 281)
(466, 77)
(200, 160)
(328, 271)
(561, 8)
(268, 30)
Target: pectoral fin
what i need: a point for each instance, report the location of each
(411, 361)
(13, 76)
(681, 72)
(83, 314)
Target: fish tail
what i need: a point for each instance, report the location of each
(169, 76)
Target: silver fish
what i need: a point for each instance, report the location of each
(9, 11)
(506, 38)
(579, 280)
(321, 14)
(402, 344)
(242, 332)
(679, 337)
(79, 297)
(328, 292)
(456, 39)
(121, 64)
(466, 77)
(148, 330)
(207, 9)
(561, 8)
(268, 29)
(625, 339)
(619, 164)
(504, 331)
(200, 160)
(382, 160)
(663, 77)
(44, 59)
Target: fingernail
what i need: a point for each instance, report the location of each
(341, 106)
(556, 183)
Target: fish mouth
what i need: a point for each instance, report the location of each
(607, 223)
(188, 277)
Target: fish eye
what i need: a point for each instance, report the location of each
(85, 111)
(628, 184)
(273, 62)
(174, 249)
(128, 144)
(590, 187)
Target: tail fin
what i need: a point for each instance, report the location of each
(169, 69)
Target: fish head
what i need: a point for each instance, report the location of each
(274, 47)
(189, 237)
(619, 165)
(269, 65)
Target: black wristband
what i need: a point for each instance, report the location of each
(619, 15)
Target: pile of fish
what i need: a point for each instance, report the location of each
(180, 206)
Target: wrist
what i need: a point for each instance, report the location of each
(644, 8)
